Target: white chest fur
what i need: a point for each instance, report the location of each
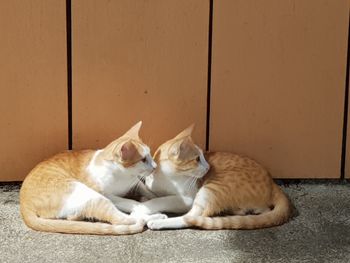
(111, 177)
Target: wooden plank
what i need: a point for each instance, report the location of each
(32, 83)
(138, 60)
(347, 154)
(278, 83)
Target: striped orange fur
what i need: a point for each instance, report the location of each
(243, 188)
(236, 193)
(59, 193)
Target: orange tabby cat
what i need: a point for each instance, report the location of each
(236, 186)
(69, 187)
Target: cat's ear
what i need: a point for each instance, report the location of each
(183, 149)
(108, 152)
(186, 132)
(133, 132)
(187, 149)
(174, 149)
(128, 152)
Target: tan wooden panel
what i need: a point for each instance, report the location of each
(138, 60)
(278, 83)
(32, 84)
(347, 155)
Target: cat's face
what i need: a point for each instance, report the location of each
(129, 154)
(180, 156)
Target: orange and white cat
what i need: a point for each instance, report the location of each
(59, 193)
(235, 186)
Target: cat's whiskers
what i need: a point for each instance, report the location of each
(193, 183)
(136, 183)
(187, 183)
(190, 183)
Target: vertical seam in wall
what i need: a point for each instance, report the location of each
(210, 38)
(346, 105)
(69, 71)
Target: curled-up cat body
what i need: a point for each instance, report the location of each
(217, 190)
(62, 191)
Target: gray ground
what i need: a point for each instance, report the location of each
(319, 233)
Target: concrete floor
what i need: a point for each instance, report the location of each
(319, 233)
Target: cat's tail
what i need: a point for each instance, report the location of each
(281, 212)
(78, 227)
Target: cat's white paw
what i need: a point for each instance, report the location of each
(146, 218)
(157, 216)
(156, 224)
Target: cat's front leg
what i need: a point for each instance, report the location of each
(200, 202)
(124, 204)
(166, 204)
(143, 212)
(136, 209)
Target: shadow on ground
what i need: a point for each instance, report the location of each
(319, 233)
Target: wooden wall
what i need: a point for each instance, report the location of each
(277, 78)
(347, 153)
(32, 84)
(137, 60)
(278, 83)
